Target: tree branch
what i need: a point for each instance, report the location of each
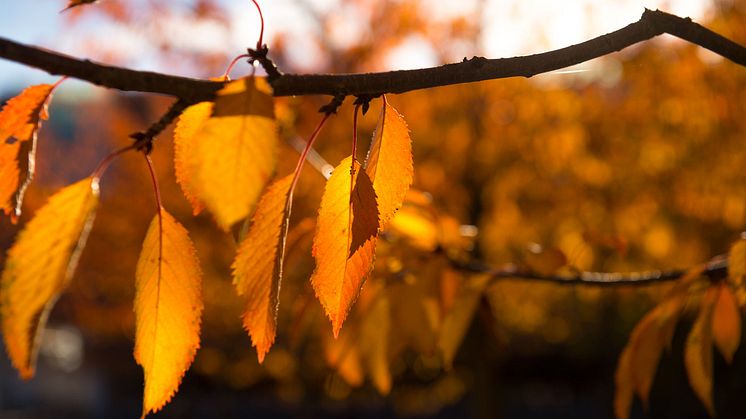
(716, 270)
(650, 25)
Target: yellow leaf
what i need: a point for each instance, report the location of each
(389, 162)
(185, 142)
(726, 323)
(257, 269)
(168, 309)
(39, 267)
(374, 342)
(20, 120)
(345, 240)
(698, 352)
(458, 319)
(416, 221)
(737, 270)
(235, 151)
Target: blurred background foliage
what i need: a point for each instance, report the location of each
(635, 162)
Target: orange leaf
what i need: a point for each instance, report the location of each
(168, 309)
(726, 323)
(257, 269)
(39, 267)
(389, 162)
(624, 387)
(20, 120)
(185, 141)
(698, 352)
(345, 240)
(458, 319)
(639, 360)
(374, 342)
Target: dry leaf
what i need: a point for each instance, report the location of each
(20, 120)
(39, 267)
(698, 352)
(257, 269)
(234, 153)
(345, 240)
(389, 162)
(726, 323)
(168, 309)
(185, 143)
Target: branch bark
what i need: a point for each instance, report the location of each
(650, 25)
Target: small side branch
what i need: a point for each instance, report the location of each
(650, 25)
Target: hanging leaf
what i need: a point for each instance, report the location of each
(458, 319)
(39, 267)
(639, 360)
(168, 309)
(698, 352)
(726, 323)
(389, 162)
(185, 155)
(345, 240)
(226, 162)
(257, 270)
(20, 120)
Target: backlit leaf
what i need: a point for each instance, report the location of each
(20, 120)
(185, 141)
(39, 267)
(389, 162)
(235, 151)
(343, 355)
(345, 240)
(726, 323)
(698, 352)
(257, 269)
(458, 319)
(168, 309)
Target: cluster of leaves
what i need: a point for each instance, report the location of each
(225, 157)
(574, 162)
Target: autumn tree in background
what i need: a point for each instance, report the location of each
(566, 245)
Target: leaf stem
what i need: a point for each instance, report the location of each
(227, 74)
(260, 42)
(104, 164)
